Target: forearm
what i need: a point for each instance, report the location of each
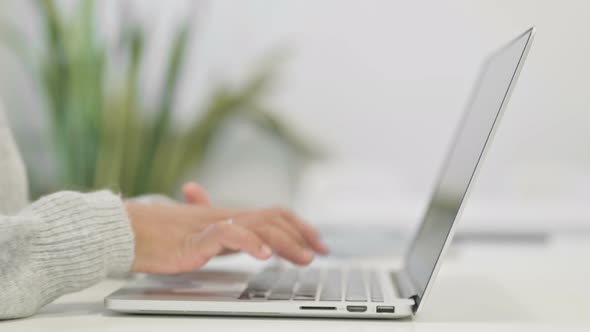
(60, 244)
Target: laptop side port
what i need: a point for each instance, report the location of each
(388, 309)
(316, 308)
(356, 308)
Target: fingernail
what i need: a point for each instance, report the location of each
(265, 251)
(307, 254)
(323, 247)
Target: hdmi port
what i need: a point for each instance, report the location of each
(356, 308)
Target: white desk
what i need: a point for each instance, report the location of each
(480, 288)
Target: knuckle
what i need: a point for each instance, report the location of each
(264, 219)
(240, 237)
(266, 233)
(281, 211)
(253, 242)
(212, 228)
(220, 230)
(290, 214)
(276, 221)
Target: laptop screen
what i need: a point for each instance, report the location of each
(498, 75)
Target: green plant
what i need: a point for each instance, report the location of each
(105, 136)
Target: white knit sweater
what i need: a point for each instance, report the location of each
(59, 244)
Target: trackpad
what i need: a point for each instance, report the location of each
(210, 285)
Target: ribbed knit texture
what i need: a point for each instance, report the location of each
(59, 244)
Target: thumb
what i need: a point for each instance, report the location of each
(194, 194)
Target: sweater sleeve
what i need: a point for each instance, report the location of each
(62, 243)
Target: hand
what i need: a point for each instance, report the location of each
(175, 238)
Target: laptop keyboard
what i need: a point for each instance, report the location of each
(314, 285)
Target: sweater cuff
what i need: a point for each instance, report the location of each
(81, 239)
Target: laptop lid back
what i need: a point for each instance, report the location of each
(489, 98)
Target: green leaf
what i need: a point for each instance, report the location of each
(55, 71)
(155, 141)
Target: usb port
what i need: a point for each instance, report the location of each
(386, 309)
(356, 308)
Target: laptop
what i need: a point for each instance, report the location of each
(348, 290)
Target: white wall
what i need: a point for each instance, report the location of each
(385, 82)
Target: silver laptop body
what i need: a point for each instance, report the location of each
(347, 290)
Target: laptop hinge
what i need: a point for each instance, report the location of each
(405, 287)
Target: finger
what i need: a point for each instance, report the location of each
(284, 244)
(221, 237)
(309, 233)
(287, 227)
(239, 238)
(271, 218)
(195, 194)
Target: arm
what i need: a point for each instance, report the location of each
(68, 241)
(60, 244)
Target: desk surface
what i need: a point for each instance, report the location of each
(479, 288)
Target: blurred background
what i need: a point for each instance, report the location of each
(342, 110)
